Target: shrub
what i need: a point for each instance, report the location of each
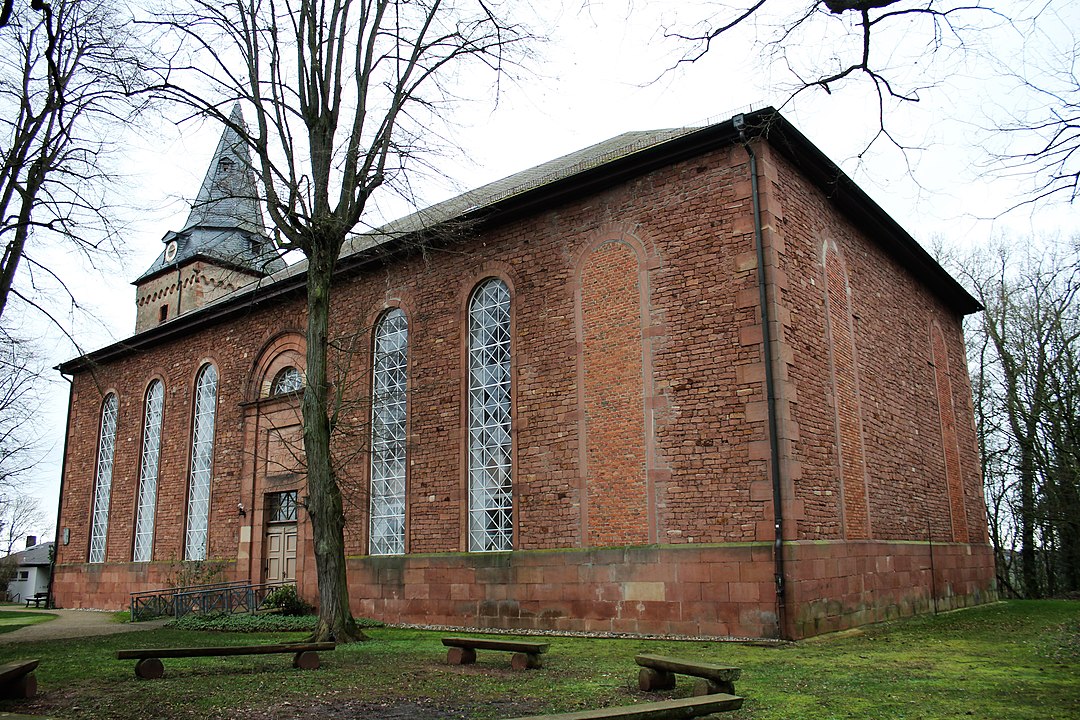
(286, 599)
(244, 623)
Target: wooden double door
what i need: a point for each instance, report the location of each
(280, 553)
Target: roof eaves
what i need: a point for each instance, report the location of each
(853, 201)
(551, 190)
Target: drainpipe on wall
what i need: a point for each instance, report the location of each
(60, 500)
(739, 122)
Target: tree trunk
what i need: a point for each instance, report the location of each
(324, 503)
(1028, 561)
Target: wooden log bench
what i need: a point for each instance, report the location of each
(38, 599)
(17, 679)
(658, 673)
(150, 667)
(525, 654)
(691, 707)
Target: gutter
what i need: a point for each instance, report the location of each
(739, 122)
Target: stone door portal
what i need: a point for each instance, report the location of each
(280, 547)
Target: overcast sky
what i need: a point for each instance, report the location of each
(601, 73)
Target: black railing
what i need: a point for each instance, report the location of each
(177, 602)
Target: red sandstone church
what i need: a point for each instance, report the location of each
(562, 407)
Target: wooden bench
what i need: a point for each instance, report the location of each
(463, 651)
(666, 710)
(39, 599)
(658, 673)
(149, 666)
(17, 679)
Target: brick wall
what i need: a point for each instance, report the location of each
(639, 415)
(897, 391)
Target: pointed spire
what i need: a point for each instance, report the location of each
(222, 246)
(228, 197)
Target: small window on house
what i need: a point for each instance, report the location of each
(281, 507)
(163, 313)
(24, 574)
(286, 381)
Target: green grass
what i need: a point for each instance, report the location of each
(1011, 660)
(14, 619)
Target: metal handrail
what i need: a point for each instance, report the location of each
(227, 597)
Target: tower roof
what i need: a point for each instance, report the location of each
(225, 223)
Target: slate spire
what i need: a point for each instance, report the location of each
(222, 246)
(228, 197)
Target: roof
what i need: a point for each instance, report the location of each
(225, 223)
(569, 177)
(34, 556)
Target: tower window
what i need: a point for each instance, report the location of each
(163, 313)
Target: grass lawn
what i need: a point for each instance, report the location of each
(15, 619)
(1009, 660)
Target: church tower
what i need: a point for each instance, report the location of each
(222, 246)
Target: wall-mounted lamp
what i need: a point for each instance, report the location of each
(240, 509)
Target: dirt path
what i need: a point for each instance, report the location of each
(71, 624)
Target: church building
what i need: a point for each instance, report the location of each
(690, 381)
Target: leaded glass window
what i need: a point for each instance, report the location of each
(286, 381)
(202, 464)
(148, 473)
(281, 507)
(490, 490)
(99, 523)
(388, 406)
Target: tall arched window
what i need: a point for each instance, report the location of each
(148, 473)
(202, 464)
(388, 415)
(490, 490)
(99, 523)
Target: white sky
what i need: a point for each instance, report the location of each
(594, 83)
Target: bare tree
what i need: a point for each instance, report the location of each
(1025, 350)
(904, 48)
(20, 515)
(69, 81)
(345, 94)
(19, 403)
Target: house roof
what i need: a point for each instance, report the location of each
(580, 173)
(225, 224)
(34, 556)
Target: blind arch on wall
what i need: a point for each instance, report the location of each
(99, 522)
(202, 463)
(146, 502)
(489, 401)
(388, 433)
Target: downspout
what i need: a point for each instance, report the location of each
(60, 500)
(739, 122)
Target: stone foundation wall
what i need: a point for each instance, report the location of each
(714, 590)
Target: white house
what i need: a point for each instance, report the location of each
(32, 573)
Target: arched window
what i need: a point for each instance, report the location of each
(99, 524)
(202, 464)
(388, 408)
(148, 473)
(286, 381)
(490, 490)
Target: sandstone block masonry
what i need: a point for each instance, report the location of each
(640, 454)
